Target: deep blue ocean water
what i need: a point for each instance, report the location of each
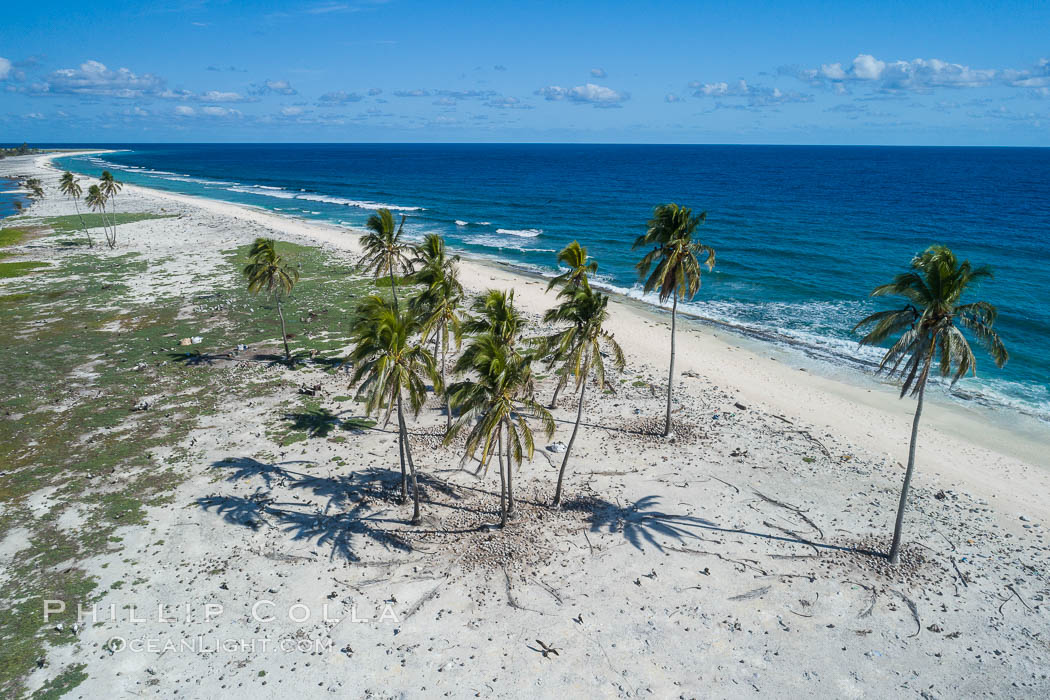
(802, 233)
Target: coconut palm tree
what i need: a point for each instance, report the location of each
(110, 187)
(70, 187)
(579, 350)
(928, 329)
(497, 405)
(438, 302)
(495, 314)
(392, 364)
(573, 256)
(677, 258)
(96, 201)
(267, 271)
(385, 253)
(36, 190)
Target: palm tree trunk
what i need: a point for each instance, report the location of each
(502, 482)
(393, 287)
(403, 436)
(510, 476)
(670, 372)
(111, 237)
(572, 439)
(284, 332)
(557, 390)
(444, 386)
(83, 226)
(895, 548)
(404, 472)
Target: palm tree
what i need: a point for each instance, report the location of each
(497, 404)
(36, 190)
(70, 187)
(574, 256)
(110, 187)
(495, 314)
(929, 331)
(270, 272)
(384, 251)
(96, 201)
(439, 299)
(392, 363)
(677, 272)
(579, 349)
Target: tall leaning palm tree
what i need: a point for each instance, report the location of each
(268, 271)
(574, 257)
(497, 405)
(579, 349)
(438, 300)
(110, 187)
(928, 329)
(96, 201)
(672, 267)
(70, 187)
(385, 253)
(392, 363)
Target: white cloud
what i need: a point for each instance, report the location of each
(412, 93)
(915, 75)
(279, 87)
(216, 96)
(220, 111)
(5, 68)
(507, 103)
(671, 97)
(94, 78)
(597, 95)
(292, 111)
(598, 73)
(185, 111)
(755, 95)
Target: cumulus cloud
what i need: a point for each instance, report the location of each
(592, 94)
(338, 97)
(465, 94)
(412, 93)
(185, 111)
(293, 111)
(755, 96)
(598, 73)
(916, 75)
(94, 78)
(5, 68)
(278, 87)
(207, 96)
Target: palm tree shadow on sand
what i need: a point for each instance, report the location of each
(347, 516)
(641, 523)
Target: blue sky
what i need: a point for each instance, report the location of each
(927, 73)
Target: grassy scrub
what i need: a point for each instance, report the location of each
(78, 354)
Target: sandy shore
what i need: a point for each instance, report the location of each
(705, 567)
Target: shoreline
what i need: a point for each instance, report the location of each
(1000, 434)
(984, 403)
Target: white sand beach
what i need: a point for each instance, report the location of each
(716, 563)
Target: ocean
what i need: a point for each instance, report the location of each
(802, 233)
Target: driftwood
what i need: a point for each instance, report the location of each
(874, 596)
(751, 595)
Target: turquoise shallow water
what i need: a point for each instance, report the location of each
(802, 233)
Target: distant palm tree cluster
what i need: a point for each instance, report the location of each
(23, 150)
(98, 196)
